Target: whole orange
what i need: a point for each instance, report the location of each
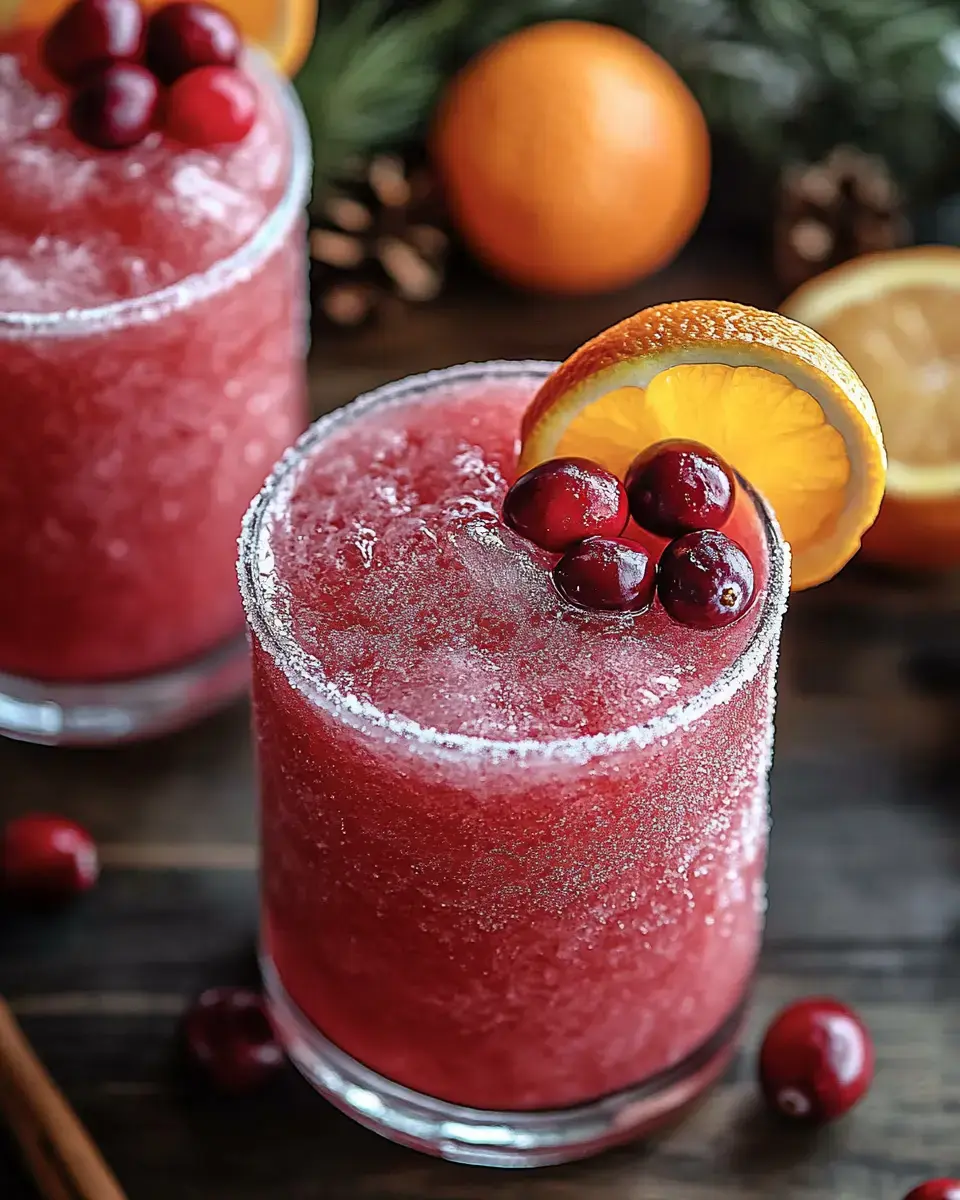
(573, 157)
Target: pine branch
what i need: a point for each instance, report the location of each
(374, 73)
(491, 20)
(795, 77)
(372, 76)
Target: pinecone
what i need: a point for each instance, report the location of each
(377, 239)
(843, 206)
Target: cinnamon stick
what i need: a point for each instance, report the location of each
(59, 1152)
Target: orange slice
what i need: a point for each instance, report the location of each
(284, 28)
(771, 396)
(893, 315)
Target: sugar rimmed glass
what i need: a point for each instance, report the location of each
(137, 431)
(354, 986)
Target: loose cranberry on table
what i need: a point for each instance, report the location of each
(936, 1189)
(184, 36)
(210, 106)
(229, 1037)
(612, 574)
(92, 34)
(115, 108)
(705, 580)
(677, 486)
(564, 500)
(816, 1060)
(47, 858)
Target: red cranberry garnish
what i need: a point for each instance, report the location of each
(816, 1060)
(187, 35)
(47, 858)
(676, 487)
(705, 580)
(229, 1036)
(613, 574)
(564, 500)
(92, 34)
(211, 106)
(115, 108)
(936, 1189)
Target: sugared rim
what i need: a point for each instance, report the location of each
(77, 322)
(305, 673)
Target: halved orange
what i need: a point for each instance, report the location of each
(771, 396)
(893, 315)
(284, 28)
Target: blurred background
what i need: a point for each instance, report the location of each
(798, 94)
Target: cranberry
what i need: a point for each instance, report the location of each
(187, 35)
(92, 34)
(706, 580)
(936, 1189)
(211, 106)
(676, 487)
(564, 500)
(43, 857)
(229, 1037)
(816, 1060)
(614, 574)
(115, 109)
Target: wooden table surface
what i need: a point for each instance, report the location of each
(864, 889)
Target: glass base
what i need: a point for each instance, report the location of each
(103, 714)
(495, 1139)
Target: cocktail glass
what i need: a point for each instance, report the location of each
(135, 433)
(508, 952)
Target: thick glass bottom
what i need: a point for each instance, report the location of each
(100, 714)
(495, 1139)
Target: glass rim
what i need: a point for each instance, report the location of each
(305, 673)
(200, 285)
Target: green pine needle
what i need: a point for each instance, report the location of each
(371, 77)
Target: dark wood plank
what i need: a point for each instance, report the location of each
(196, 786)
(170, 933)
(160, 1135)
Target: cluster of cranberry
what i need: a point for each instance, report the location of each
(675, 489)
(176, 70)
(816, 1060)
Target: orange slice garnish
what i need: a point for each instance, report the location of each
(893, 315)
(284, 28)
(771, 396)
